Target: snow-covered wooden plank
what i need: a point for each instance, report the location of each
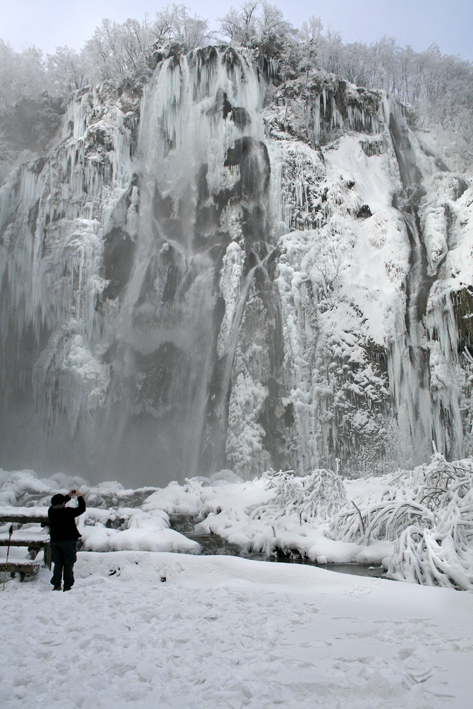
(24, 515)
(24, 541)
(22, 566)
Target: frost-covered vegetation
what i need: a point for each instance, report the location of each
(319, 494)
(428, 513)
(418, 524)
(34, 87)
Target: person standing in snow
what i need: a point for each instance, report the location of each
(64, 536)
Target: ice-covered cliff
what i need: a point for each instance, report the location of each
(216, 272)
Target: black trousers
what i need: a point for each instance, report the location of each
(63, 556)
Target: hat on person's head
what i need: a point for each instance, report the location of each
(58, 501)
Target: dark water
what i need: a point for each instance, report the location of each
(212, 544)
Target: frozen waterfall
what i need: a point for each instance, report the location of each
(215, 271)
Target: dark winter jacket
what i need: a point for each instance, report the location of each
(62, 521)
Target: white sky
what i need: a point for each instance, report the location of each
(51, 23)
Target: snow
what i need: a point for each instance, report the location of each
(250, 515)
(145, 532)
(146, 626)
(379, 259)
(228, 632)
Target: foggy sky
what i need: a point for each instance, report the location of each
(48, 24)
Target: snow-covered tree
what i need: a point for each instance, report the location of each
(241, 26)
(120, 50)
(272, 25)
(311, 30)
(65, 71)
(22, 74)
(257, 23)
(117, 50)
(191, 32)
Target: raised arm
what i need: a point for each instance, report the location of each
(80, 509)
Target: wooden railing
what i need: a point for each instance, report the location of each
(35, 540)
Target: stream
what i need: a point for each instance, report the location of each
(212, 544)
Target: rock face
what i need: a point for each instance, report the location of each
(220, 273)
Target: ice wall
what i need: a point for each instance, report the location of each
(54, 215)
(208, 272)
(425, 359)
(131, 257)
(375, 218)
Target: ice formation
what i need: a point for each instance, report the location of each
(213, 271)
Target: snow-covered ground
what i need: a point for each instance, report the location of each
(145, 627)
(229, 632)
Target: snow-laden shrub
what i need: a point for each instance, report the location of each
(441, 482)
(442, 555)
(320, 494)
(429, 512)
(380, 520)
